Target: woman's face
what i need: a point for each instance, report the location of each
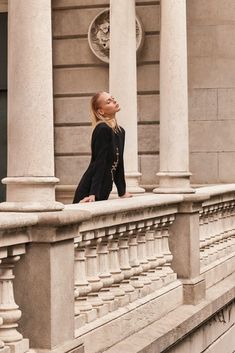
(107, 105)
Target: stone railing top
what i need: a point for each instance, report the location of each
(215, 190)
(217, 194)
(12, 220)
(123, 205)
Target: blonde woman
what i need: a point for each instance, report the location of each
(107, 145)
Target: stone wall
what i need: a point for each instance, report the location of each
(217, 335)
(78, 74)
(211, 54)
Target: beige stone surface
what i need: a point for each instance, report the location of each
(174, 146)
(30, 125)
(204, 167)
(150, 17)
(48, 301)
(72, 110)
(77, 21)
(211, 72)
(226, 169)
(69, 3)
(151, 49)
(210, 12)
(148, 78)
(70, 169)
(149, 166)
(123, 81)
(203, 104)
(201, 40)
(74, 51)
(211, 41)
(74, 139)
(148, 138)
(80, 80)
(73, 21)
(224, 41)
(226, 103)
(148, 107)
(212, 136)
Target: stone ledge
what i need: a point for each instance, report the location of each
(180, 322)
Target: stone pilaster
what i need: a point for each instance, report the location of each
(174, 172)
(123, 83)
(30, 179)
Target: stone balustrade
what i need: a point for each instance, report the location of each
(14, 237)
(217, 225)
(116, 265)
(109, 268)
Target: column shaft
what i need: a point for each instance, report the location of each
(123, 83)
(174, 141)
(30, 105)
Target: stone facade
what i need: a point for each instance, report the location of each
(78, 74)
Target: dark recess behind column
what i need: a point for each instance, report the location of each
(3, 102)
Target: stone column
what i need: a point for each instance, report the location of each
(174, 142)
(30, 181)
(123, 83)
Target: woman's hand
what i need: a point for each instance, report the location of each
(90, 198)
(126, 195)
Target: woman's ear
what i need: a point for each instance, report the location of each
(100, 111)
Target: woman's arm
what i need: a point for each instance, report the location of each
(119, 178)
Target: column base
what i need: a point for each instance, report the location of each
(30, 194)
(132, 183)
(174, 183)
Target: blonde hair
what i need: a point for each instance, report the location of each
(97, 118)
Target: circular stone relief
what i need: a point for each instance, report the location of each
(99, 35)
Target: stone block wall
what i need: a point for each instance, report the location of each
(211, 64)
(78, 74)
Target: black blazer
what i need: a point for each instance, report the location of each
(106, 165)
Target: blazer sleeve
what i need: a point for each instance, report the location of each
(100, 148)
(119, 178)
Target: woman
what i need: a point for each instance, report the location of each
(107, 145)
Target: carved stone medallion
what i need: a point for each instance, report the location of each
(99, 35)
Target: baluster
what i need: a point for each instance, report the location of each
(224, 234)
(85, 312)
(207, 236)
(212, 230)
(124, 257)
(133, 253)
(2, 345)
(220, 231)
(97, 303)
(116, 272)
(103, 257)
(126, 268)
(9, 310)
(114, 265)
(92, 266)
(81, 282)
(158, 246)
(171, 276)
(202, 237)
